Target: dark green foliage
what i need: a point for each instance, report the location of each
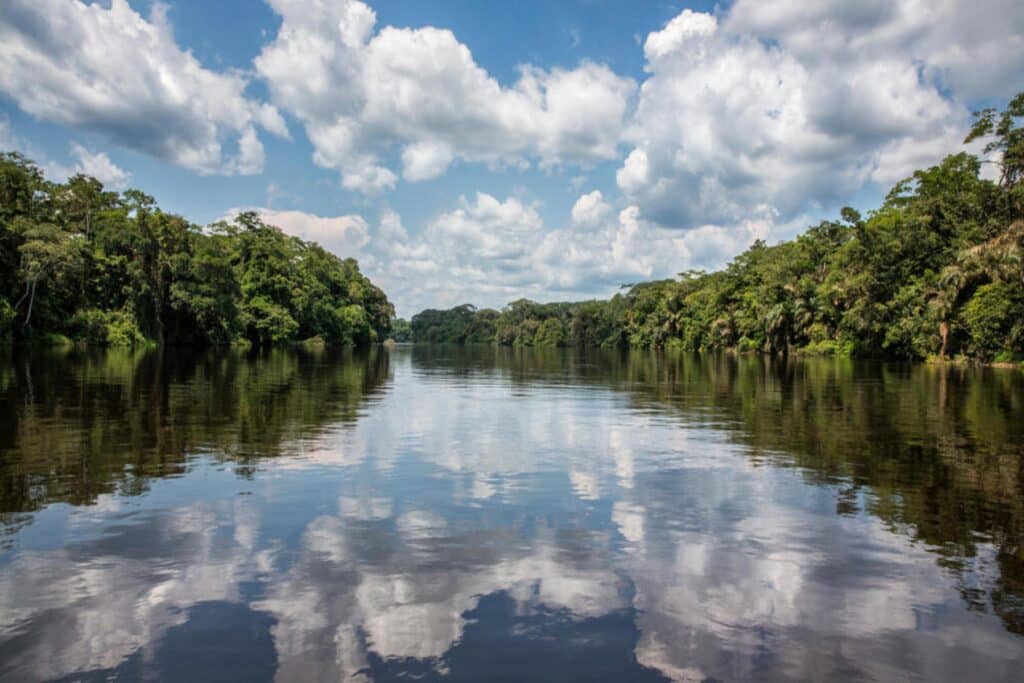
(551, 332)
(401, 330)
(523, 323)
(110, 269)
(938, 269)
(993, 318)
(443, 326)
(1004, 136)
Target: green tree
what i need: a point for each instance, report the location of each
(108, 268)
(47, 252)
(551, 332)
(1006, 139)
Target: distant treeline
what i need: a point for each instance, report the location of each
(80, 263)
(938, 269)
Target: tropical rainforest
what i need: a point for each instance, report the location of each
(80, 263)
(936, 271)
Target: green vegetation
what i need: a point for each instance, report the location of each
(401, 330)
(78, 262)
(163, 406)
(937, 270)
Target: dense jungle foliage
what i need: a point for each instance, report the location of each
(80, 262)
(937, 270)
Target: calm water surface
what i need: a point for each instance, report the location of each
(482, 514)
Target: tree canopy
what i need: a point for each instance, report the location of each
(114, 269)
(937, 269)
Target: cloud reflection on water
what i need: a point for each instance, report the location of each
(463, 515)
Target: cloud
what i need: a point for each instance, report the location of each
(391, 228)
(590, 208)
(600, 255)
(113, 72)
(8, 140)
(974, 49)
(749, 125)
(366, 177)
(95, 164)
(425, 160)
(727, 122)
(486, 228)
(635, 172)
(342, 235)
(737, 136)
(363, 95)
(489, 251)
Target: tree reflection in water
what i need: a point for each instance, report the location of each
(461, 512)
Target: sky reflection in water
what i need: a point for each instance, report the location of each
(479, 514)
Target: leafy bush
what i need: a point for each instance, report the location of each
(268, 322)
(550, 333)
(354, 327)
(989, 317)
(105, 328)
(830, 347)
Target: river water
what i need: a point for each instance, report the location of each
(496, 514)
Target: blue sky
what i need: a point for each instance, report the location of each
(476, 152)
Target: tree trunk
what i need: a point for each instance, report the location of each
(944, 333)
(31, 300)
(28, 286)
(159, 312)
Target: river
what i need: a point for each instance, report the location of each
(508, 514)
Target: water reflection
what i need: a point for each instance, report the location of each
(472, 513)
(76, 425)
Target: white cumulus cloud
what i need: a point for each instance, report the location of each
(590, 208)
(344, 235)
(95, 164)
(363, 95)
(109, 70)
(797, 108)
(425, 160)
(975, 49)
